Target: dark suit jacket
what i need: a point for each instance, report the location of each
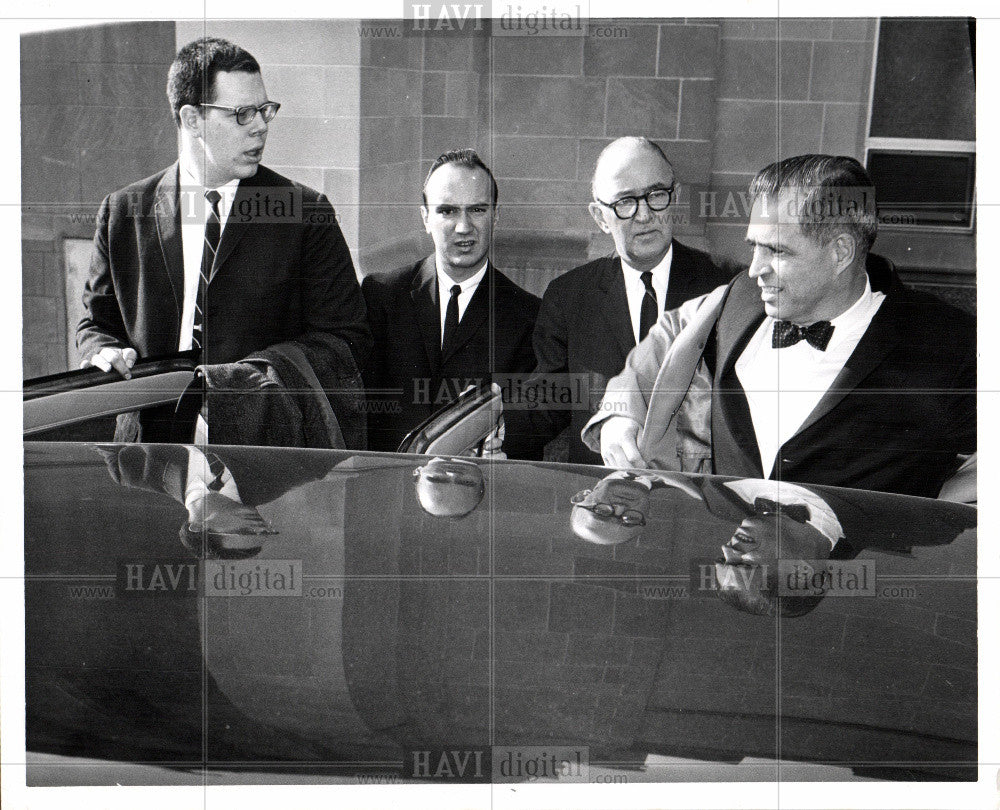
(893, 420)
(276, 278)
(408, 373)
(584, 329)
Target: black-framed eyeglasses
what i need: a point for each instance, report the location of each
(657, 199)
(625, 516)
(246, 114)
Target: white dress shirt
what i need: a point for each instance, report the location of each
(194, 212)
(445, 283)
(783, 386)
(200, 476)
(635, 290)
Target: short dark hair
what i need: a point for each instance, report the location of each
(191, 79)
(461, 157)
(836, 193)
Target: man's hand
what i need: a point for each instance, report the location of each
(113, 357)
(618, 443)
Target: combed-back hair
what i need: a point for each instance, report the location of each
(462, 157)
(833, 194)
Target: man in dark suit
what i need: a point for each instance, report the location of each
(592, 316)
(217, 252)
(450, 320)
(823, 368)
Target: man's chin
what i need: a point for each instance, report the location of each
(649, 254)
(466, 261)
(247, 170)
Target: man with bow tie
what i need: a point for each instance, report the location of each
(817, 366)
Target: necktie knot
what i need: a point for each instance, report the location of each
(456, 290)
(787, 334)
(647, 280)
(213, 197)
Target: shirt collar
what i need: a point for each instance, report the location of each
(446, 282)
(857, 311)
(661, 269)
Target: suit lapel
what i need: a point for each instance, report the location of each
(743, 313)
(167, 209)
(234, 230)
(613, 305)
(739, 319)
(683, 284)
(476, 315)
(881, 337)
(424, 294)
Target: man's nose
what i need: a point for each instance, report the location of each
(464, 222)
(759, 265)
(643, 213)
(258, 126)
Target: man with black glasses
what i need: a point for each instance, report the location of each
(217, 252)
(592, 316)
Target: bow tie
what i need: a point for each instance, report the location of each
(798, 512)
(787, 333)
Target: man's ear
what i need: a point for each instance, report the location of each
(598, 214)
(844, 249)
(424, 213)
(192, 120)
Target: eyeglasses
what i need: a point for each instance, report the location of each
(246, 114)
(657, 199)
(627, 517)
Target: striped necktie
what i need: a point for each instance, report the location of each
(218, 469)
(213, 232)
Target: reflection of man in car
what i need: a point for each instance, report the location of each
(781, 536)
(449, 487)
(786, 528)
(616, 508)
(217, 516)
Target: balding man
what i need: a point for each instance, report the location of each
(592, 316)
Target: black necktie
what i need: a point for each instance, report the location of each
(787, 333)
(213, 232)
(650, 310)
(451, 318)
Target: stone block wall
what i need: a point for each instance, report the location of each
(94, 117)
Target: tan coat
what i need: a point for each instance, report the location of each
(676, 423)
